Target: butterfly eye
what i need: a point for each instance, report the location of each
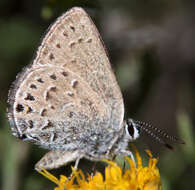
(131, 130)
(23, 137)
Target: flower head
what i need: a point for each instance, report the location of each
(137, 177)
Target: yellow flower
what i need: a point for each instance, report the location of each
(136, 178)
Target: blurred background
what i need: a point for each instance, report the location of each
(152, 51)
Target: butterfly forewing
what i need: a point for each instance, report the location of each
(70, 87)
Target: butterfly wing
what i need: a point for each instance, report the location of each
(69, 93)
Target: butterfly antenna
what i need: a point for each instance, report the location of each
(162, 133)
(139, 125)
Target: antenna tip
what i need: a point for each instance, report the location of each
(183, 142)
(169, 146)
(180, 141)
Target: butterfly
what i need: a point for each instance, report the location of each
(68, 99)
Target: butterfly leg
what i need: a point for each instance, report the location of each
(77, 162)
(128, 153)
(55, 159)
(111, 145)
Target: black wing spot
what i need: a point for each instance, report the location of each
(19, 108)
(58, 45)
(65, 74)
(29, 97)
(33, 86)
(89, 40)
(80, 40)
(65, 34)
(51, 57)
(40, 80)
(53, 76)
(31, 124)
(43, 112)
(72, 28)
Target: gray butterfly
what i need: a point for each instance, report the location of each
(68, 99)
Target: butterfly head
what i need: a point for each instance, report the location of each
(133, 129)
